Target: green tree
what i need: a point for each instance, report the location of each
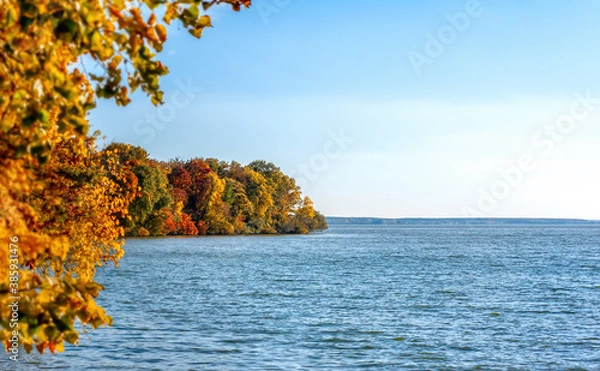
(239, 205)
(45, 96)
(146, 214)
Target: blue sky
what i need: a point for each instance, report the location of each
(328, 92)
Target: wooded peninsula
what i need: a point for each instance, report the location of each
(210, 197)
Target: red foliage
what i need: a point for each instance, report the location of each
(198, 170)
(169, 224)
(187, 225)
(202, 227)
(181, 178)
(179, 195)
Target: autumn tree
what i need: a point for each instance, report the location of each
(147, 211)
(178, 221)
(260, 194)
(305, 218)
(64, 226)
(205, 196)
(219, 167)
(199, 190)
(216, 212)
(238, 204)
(286, 194)
(60, 202)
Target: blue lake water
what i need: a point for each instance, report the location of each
(366, 297)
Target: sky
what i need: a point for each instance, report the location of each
(391, 108)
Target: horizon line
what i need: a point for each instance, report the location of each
(463, 217)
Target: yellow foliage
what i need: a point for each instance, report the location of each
(60, 200)
(63, 216)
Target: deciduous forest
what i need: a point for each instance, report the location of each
(208, 196)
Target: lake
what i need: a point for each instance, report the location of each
(353, 297)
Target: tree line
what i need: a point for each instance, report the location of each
(211, 197)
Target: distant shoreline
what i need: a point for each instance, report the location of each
(336, 220)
